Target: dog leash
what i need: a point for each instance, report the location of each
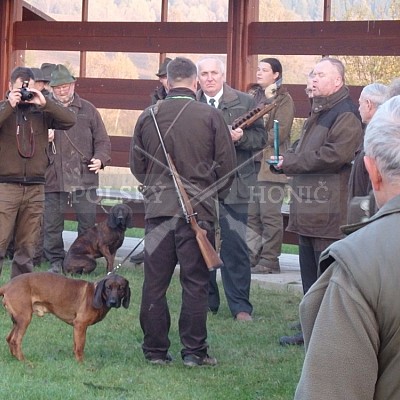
(117, 267)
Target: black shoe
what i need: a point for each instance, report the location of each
(296, 339)
(214, 311)
(161, 361)
(138, 258)
(191, 360)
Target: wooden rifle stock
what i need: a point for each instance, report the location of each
(210, 255)
(251, 116)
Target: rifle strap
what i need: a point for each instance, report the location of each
(155, 111)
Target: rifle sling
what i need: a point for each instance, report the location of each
(156, 108)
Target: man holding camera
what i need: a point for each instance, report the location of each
(25, 118)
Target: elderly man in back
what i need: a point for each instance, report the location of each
(351, 314)
(76, 158)
(360, 206)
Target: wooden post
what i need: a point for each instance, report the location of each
(10, 11)
(82, 62)
(240, 65)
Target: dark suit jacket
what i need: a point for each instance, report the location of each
(234, 104)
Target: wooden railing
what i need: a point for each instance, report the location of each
(135, 201)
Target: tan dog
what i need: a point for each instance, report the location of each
(77, 302)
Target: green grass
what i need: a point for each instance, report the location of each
(290, 249)
(252, 365)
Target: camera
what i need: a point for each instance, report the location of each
(26, 94)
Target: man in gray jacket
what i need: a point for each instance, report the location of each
(236, 275)
(320, 165)
(76, 157)
(350, 316)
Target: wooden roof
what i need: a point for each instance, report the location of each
(242, 38)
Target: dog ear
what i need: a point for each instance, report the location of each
(98, 295)
(112, 220)
(127, 298)
(129, 218)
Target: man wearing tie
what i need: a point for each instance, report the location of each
(236, 275)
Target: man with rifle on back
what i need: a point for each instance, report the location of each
(196, 139)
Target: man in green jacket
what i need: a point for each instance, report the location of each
(76, 158)
(25, 118)
(320, 164)
(350, 316)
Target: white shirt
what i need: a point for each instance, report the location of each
(217, 98)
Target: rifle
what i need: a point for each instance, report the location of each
(251, 116)
(211, 257)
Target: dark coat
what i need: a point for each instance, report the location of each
(200, 146)
(320, 165)
(34, 124)
(159, 94)
(359, 182)
(235, 104)
(68, 170)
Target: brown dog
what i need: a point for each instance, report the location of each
(102, 240)
(77, 302)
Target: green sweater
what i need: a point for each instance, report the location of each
(351, 316)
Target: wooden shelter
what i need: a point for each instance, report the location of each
(242, 39)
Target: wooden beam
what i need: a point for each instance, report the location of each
(133, 94)
(140, 37)
(124, 94)
(357, 38)
(31, 13)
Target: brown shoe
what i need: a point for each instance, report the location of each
(261, 269)
(243, 316)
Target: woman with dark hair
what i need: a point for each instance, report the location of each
(265, 223)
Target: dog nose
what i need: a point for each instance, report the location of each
(113, 303)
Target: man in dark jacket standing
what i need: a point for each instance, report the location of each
(25, 117)
(197, 139)
(76, 157)
(236, 275)
(161, 91)
(320, 165)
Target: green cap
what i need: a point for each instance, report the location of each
(61, 76)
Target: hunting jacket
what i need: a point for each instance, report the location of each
(235, 104)
(320, 165)
(74, 148)
(200, 146)
(23, 154)
(350, 316)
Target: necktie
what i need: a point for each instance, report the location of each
(212, 102)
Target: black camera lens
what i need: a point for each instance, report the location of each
(26, 94)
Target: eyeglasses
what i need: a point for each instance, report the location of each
(308, 91)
